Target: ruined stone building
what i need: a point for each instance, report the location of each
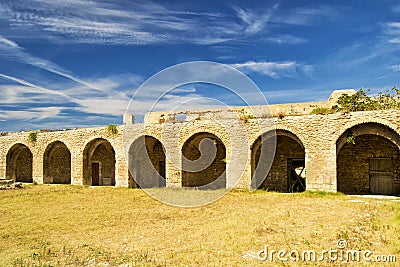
(312, 152)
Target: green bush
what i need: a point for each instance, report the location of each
(360, 101)
(112, 128)
(33, 137)
(322, 111)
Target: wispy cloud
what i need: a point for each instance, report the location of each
(285, 39)
(392, 30)
(111, 23)
(275, 70)
(39, 88)
(395, 68)
(254, 23)
(305, 16)
(33, 114)
(11, 50)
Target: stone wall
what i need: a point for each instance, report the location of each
(322, 139)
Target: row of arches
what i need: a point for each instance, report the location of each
(371, 164)
(367, 161)
(98, 163)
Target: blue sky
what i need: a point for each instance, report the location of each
(72, 63)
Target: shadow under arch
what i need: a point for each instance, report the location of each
(370, 165)
(19, 161)
(278, 162)
(196, 153)
(146, 163)
(57, 164)
(99, 163)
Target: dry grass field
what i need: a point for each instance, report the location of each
(81, 226)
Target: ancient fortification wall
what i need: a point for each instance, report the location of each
(95, 156)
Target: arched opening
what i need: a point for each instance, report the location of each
(19, 164)
(204, 162)
(147, 163)
(99, 163)
(287, 173)
(57, 164)
(368, 160)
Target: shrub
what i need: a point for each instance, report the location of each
(360, 101)
(112, 128)
(350, 138)
(32, 137)
(321, 111)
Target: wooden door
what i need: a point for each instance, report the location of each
(381, 175)
(95, 173)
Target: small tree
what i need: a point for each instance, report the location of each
(32, 137)
(112, 128)
(360, 101)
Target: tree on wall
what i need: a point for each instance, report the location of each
(361, 101)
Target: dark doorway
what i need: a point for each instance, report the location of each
(99, 151)
(147, 163)
(57, 164)
(287, 157)
(19, 164)
(296, 175)
(370, 164)
(95, 173)
(161, 171)
(213, 174)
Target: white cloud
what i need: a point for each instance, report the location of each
(395, 67)
(392, 32)
(286, 39)
(11, 50)
(139, 23)
(34, 114)
(274, 69)
(255, 23)
(8, 43)
(110, 23)
(38, 88)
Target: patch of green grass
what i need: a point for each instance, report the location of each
(322, 111)
(321, 193)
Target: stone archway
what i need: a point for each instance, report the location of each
(213, 175)
(99, 163)
(19, 163)
(368, 160)
(286, 174)
(147, 163)
(57, 164)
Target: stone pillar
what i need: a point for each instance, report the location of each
(321, 168)
(128, 119)
(173, 155)
(121, 171)
(37, 166)
(3, 164)
(77, 167)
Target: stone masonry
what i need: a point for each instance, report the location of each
(319, 142)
